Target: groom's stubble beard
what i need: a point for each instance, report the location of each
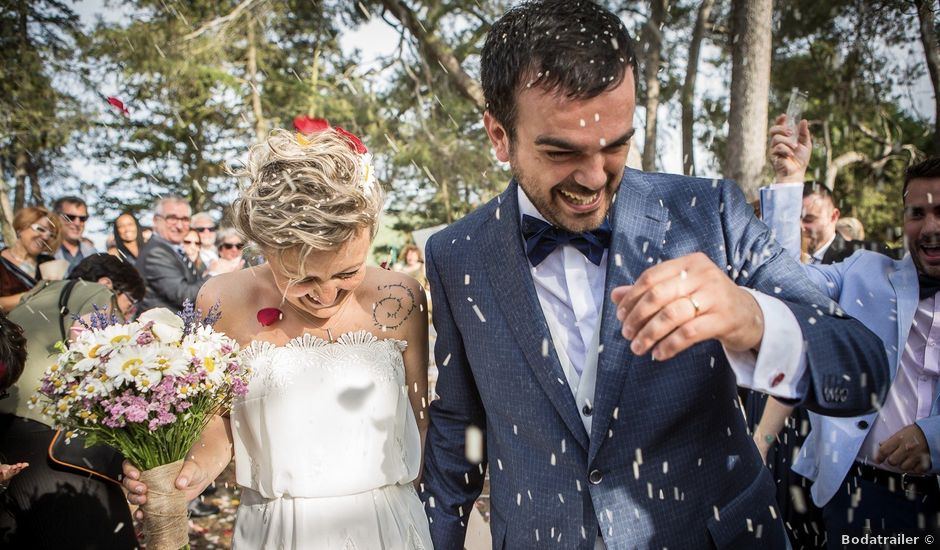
(543, 203)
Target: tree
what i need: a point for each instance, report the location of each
(926, 14)
(688, 86)
(750, 86)
(37, 116)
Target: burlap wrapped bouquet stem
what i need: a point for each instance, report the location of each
(166, 524)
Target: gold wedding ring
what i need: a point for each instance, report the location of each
(695, 304)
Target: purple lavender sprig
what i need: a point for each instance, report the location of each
(100, 319)
(192, 316)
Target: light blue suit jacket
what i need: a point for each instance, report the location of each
(669, 461)
(881, 293)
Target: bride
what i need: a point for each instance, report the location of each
(328, 440)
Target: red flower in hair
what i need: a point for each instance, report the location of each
(307, 125)
(355, 141)
(269, 315)
(119, 105)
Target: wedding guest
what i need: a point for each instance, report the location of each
(37, 238)
(128, 237)
(411, 263)
(192, 246)
(595, 344)
(205, 225)
(12, 361)
(74, 213)
(230, 257)
(877, 473)
(851, 229)
(327, 442)
(170, 275)
(50, 505)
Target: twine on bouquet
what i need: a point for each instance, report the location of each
(166, 526)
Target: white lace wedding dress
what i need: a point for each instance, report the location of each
(326, 447)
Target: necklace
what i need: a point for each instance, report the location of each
(23, 262)
(308, 318)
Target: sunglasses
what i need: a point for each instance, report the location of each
(190, 242)
(209, 229)
(72, 218)
(42, 230)
(229, 246)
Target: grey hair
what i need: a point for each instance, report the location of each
(305, 194)
(163, 201)
(226, 233)
(205, 216)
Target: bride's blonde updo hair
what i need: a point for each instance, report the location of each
(306, 193)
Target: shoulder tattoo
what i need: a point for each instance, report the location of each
(396, 304)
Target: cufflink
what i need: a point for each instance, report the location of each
(776, 380)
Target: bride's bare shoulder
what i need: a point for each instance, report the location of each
(393, 299)
(238, 292)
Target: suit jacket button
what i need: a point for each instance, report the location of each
(595, 477)
(862, 425)
(587, 409)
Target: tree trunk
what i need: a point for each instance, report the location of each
(35, 189)
(688, 87)
(653, 44)
(928, 37)
(20, 171)
(261, 125)
(6, 215)
(438, 51)
(750, 87)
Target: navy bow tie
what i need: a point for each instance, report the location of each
(541, 238)
(928, 285)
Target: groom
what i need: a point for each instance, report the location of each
(592, 321)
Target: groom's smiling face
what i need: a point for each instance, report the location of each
(569, 154)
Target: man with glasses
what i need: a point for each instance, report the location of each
(170, 276)
(74, 213)
(204, 225)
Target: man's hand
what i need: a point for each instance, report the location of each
(790, 157)
(684, 301)
(7, 471)
(222, 265)
(906, 450)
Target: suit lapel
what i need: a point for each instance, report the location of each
(907, 290)
(511, 280)
(639, 223)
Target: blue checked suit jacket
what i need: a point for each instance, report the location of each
(669, 455)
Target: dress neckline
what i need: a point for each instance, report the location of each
(309, 341)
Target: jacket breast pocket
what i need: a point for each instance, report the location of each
(751, 519)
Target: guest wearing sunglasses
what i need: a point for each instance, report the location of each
(231, 245)
(128, 238)
(74, 213)
(203, 224)
(191, 246)
(37, 238)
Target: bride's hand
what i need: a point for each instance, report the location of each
(192, 480)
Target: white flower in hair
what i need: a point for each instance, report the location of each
(367, 171)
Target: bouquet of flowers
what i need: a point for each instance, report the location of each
(146, 388)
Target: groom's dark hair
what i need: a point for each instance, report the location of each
(573, 47)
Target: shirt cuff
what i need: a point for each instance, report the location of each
(779, 366)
